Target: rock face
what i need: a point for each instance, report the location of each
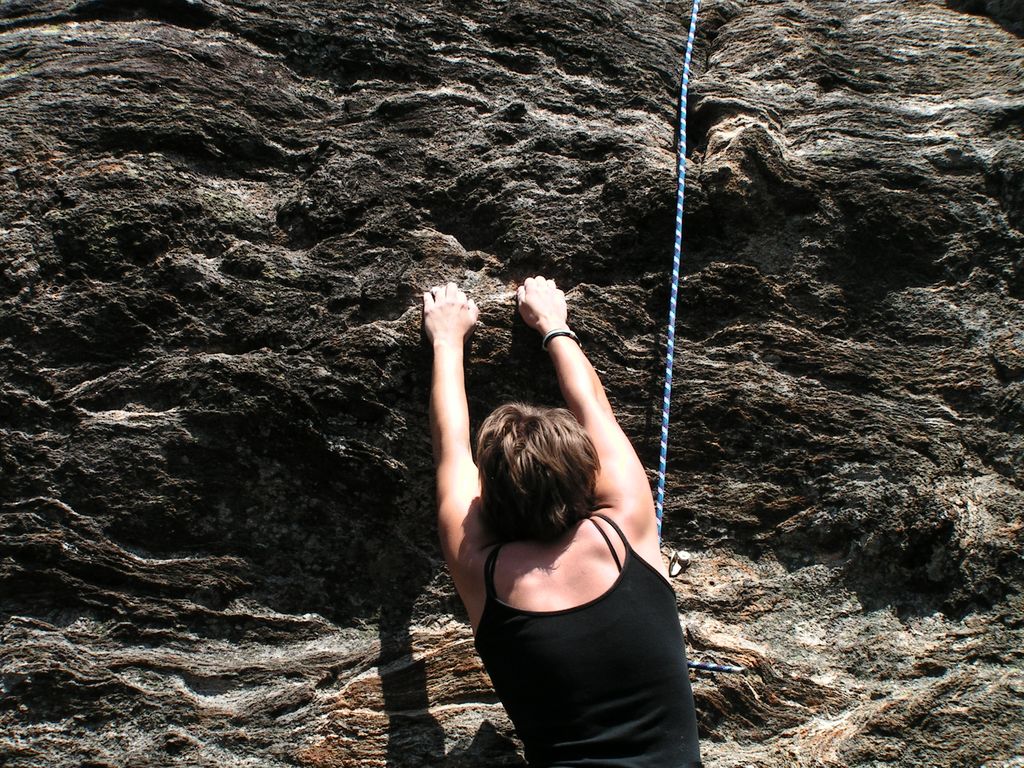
(216, 531)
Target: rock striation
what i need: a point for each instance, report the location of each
(217, 216)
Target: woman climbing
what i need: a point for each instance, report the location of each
(553, 547)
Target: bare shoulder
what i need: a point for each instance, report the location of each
(640, 527)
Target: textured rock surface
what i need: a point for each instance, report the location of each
(216, 541)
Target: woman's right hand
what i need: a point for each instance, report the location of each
(542, 305)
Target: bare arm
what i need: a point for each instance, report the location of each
(448, 319)
(622, 488)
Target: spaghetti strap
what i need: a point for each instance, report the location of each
(618, 563)
(614, 525)
(489, 565)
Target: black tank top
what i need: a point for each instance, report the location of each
(603, 684)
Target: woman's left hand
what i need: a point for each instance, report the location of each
(448, 316)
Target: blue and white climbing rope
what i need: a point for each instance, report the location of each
(707, 666)
(676, 260)
(677, 257)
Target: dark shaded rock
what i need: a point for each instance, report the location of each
(1009, 13)
(216, 504)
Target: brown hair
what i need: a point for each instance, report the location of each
(538, 469)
